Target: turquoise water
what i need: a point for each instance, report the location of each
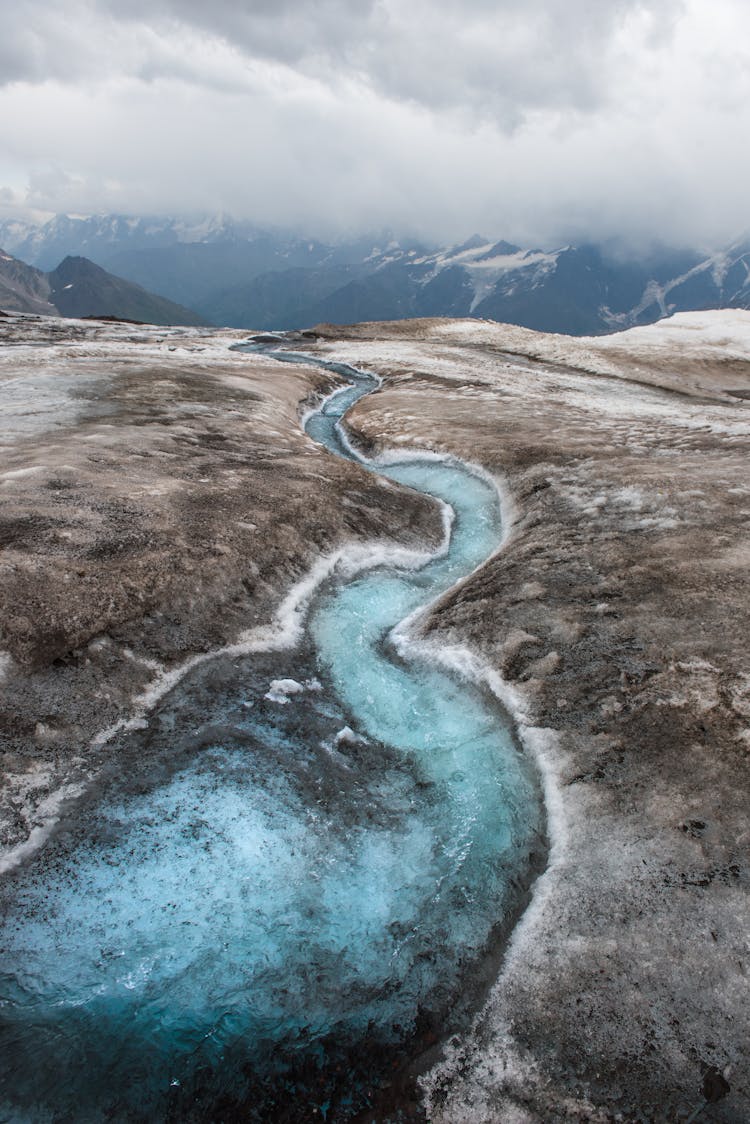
(304, 892)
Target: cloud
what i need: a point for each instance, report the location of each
(498, 59)
(551, 119)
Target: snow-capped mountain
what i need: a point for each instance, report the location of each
(237, 274)
(99, 237)
(574, 290)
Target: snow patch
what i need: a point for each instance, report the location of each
(280, 690)
(347, 736)
(21, 473)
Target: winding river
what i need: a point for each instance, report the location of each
(301, 868)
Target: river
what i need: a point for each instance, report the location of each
(298, 877)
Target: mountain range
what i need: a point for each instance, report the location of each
(79, 288)
(243, 276)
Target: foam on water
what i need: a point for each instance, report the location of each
(285, 896)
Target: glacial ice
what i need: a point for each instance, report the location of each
(206, 933)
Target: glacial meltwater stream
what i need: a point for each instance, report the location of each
(293, 876)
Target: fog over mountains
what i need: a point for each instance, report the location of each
(233, 273)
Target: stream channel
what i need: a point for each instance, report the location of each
(295, 881)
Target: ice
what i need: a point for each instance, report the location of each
(347, 736)
(22, 473)
(261, 907)
(280, 690)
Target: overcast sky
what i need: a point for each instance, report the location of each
(539, 120)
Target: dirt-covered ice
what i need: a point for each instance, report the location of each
(617, 617)
(158, 500)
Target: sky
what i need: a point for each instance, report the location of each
(541, 121)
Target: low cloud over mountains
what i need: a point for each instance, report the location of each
(232, 273)
(551, 122)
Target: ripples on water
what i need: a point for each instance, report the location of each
(256, 921)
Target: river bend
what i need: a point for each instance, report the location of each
(307, 859)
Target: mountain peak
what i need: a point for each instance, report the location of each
(79, 288)
(76, 263)
(474, 243)
(501, 249)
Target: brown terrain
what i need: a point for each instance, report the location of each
(159, 499)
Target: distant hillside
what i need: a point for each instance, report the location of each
(24, 288)
(78, 288)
